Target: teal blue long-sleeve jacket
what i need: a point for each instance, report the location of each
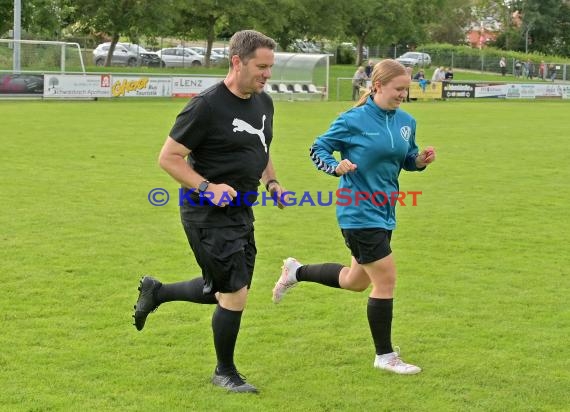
(381, 143)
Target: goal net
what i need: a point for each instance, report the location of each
(40, 56)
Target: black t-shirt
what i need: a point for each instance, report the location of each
(229, 139)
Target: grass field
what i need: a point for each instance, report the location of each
(481, 303)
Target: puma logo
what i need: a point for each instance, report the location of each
(241, 126)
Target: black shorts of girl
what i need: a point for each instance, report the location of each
(226, 256)
(368, 245)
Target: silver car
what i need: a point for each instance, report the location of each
(214, 56)
(415, 59)
(180, 57)
(222, 51)
(121, 55)
(125, 54)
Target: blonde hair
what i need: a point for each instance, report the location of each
(383, 72)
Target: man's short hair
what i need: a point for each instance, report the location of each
(245, 43)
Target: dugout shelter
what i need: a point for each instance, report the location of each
(299, 76)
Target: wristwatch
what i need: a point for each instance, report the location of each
(203, 186)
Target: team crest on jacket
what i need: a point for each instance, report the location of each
(406, 132)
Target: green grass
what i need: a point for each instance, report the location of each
(481, 303)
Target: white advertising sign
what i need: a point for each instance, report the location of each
(565, 90)
(191, 86)
(521, 91)
(77, 85)
(495, 90)
(549, 90)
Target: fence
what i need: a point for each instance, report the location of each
(481, 62)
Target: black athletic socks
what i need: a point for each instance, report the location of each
(188, 291)
(225, 325)
(380, 320)
(324, 273)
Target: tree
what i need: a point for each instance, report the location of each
(206, 19)
(547, 21)
(116, 18)
(446, 23)
(6, 16)
(287, 20)
(43, 19)
(387, 22)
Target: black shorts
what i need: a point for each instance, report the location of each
(226, 256)
(368, 245)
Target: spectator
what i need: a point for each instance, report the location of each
(529, 69)
(438, 74)
(552, 71)
(358, 81)
(449, 74)
(518, 69)
(542, 70)
(410, 72)
(368, 69)
(419, 75)
(503, 66)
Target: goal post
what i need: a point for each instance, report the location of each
(40, 56)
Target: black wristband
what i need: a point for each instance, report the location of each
(269, 182)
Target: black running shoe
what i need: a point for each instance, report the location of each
(146, 302)
(233, 382)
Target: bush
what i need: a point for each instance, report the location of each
(345, 55)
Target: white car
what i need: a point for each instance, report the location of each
(415, 59)
(180, 57)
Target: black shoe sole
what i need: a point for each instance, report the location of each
(143, 321)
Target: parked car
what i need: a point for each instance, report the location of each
(214, 56)
(147, 58)
(222, 51)
(304, 46)
(125, 54)
(415, 59)
(180, 57)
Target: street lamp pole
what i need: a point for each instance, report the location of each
(528, 27)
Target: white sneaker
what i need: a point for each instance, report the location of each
(287, 280)
(392, 362)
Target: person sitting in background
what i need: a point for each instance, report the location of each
(449, 74)
(419, 75)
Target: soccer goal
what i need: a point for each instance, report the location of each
(40, 56)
